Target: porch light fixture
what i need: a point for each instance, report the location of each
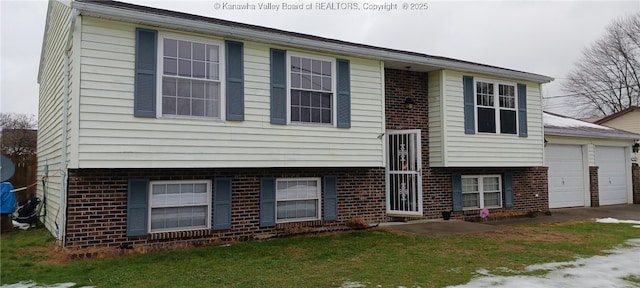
(636, 147)
(408, 103)
(545, 142)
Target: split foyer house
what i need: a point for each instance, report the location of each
(159, 128)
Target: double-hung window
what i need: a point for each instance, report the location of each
(179, 205)
(312, 89)
(496, 107)
(191, 77)
(481, 191)
(297, 199)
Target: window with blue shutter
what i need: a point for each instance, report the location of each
(344, 93)
(267, 202)
(278, 87)
(522, 110)
(492, 106)
(303, 90)
(235, 80)
(144, 103)
(330, 198)
(222, 203)
(137, 207)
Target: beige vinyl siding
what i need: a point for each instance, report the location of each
(628, 122)
(110, 136)
(436, 137)
(50, 110)
(487, 150)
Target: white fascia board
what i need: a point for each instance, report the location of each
(101, 11)
(586, 134)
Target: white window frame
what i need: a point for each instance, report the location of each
(178, 182)
(334, 98)
(481, 191)
(160, 72)
(496, 104)
(318, 198)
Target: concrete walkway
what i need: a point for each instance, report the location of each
(452, 227)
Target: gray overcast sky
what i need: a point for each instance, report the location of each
(543, 37)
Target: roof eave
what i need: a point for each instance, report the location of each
(97, 10)
(577, 133)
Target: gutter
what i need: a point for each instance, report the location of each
(603, 135)
(140, 17)
(65, 111)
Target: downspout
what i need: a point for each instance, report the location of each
(65, 112)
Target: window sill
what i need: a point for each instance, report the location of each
(194, 118)
(496, 134)
(300, 223)
(179, 234)
(311, 124)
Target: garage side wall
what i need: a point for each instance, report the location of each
(594, 190)
(635, 176)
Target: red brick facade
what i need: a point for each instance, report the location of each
(97, 198)
(97, 207)
(594, 190)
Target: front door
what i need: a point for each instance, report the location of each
(404, 173)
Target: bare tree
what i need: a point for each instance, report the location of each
(606, 79)
(19, 136)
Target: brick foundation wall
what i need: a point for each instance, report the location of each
(97, 205)
(594, 190)
(530, 191)
(635, 179)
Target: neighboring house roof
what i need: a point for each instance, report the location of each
(555, 124)
(616, 115)
(188, 22)
(593, 119)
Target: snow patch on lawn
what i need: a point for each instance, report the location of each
(593, 272)
(616, 221)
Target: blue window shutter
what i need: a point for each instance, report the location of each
(235, 80)
(456, 179)
(344, 93)
(137, 205)
(144, 104)
(222, 204)
(278, 87)
(267, 202)
(522, 110)
(330, 198)
(508, 189)
(469, 105)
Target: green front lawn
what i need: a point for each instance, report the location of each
(372, 257)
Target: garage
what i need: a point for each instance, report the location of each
(566, 175)
(612, 175)
(578, 154)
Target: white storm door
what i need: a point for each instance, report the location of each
(404, 173)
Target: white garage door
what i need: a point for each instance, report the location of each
(566, 176)
(612, 175)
